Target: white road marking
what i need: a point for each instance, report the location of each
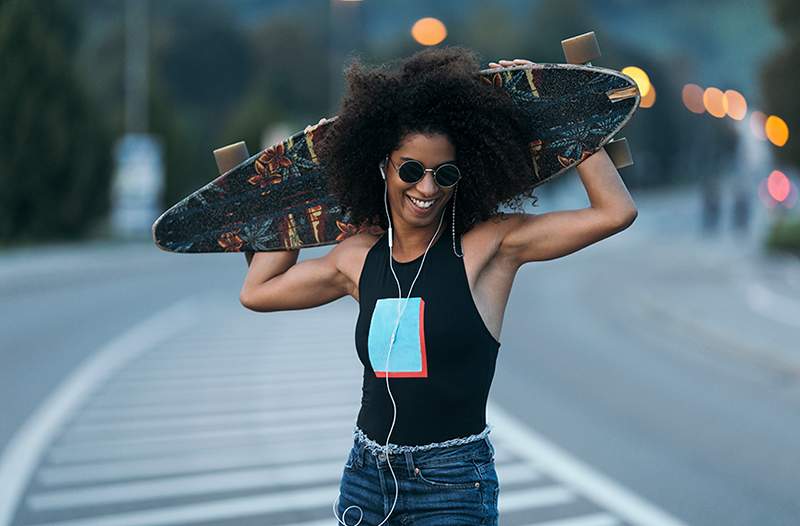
(20, 456)
(216, 510)
(595, 519)
(88, 450)
(212, 406)
(524, 499)
(243, 479)
(559, 464)
(276, 417)
(272, 389)
(771, 304)
(194, 461)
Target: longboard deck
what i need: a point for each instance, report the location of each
(278, 198)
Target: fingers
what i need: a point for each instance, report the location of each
(311, 127)
(503, 63)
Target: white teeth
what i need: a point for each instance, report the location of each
(422, 204)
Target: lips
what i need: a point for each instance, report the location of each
(419, 209)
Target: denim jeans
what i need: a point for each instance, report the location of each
(440, 486)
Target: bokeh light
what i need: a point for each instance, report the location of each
(649, 99)
(692, 96)
(715, 102)
(429, 31)
(776, 129)
(757, 121)
(641, 79)
(778, 185)
(737, 105)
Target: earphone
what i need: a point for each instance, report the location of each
(381, 167)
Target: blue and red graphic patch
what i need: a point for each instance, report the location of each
(407, 358)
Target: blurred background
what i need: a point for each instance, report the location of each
(136, 390)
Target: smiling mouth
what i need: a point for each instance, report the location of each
(422, 204)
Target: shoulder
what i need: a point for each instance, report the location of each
(350, 254)
(492, 230)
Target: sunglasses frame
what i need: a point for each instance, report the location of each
(424, 170)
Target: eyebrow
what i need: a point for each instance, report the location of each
(423, 164)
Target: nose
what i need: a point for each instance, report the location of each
(427, 185)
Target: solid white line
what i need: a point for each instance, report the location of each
(562, 466)
(243, 479)
(596, 519)
(19, 458)
(523, 499)
(216, 510)
(80, 431)
(196, 461)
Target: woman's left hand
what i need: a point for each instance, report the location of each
(502, 63)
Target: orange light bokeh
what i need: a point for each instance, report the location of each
(692, 96)
(429, 31)
(715, 102)
(737, 105)
(776, 129)
(641, 79)
(649, 99)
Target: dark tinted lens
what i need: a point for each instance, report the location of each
(447, 175)
(411, 171)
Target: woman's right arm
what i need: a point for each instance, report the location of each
(275, 281)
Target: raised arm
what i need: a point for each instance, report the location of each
(539, 237)
(275, 281)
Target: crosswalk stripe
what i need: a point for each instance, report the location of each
(539, 497)
(188, 439)
(236, 508)
(195, 461)
(243, 479)
(244, 399)
(273, 389)
(96, 432)
(596, 519)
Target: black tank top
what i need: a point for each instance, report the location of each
(443, 358)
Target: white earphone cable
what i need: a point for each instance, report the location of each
(391, 342)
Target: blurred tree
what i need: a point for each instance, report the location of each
(54, 151)
(780, 77)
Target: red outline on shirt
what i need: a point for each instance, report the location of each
(423, 355)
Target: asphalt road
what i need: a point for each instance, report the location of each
(649, 379)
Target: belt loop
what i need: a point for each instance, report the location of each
(489, 443)
(360, 458)
(409, 463)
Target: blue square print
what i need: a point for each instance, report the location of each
(407, 358)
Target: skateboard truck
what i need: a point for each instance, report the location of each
(229, 157)
(582, 49)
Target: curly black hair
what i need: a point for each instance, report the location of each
(436, 90)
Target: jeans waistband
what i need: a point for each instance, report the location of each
(376, 448)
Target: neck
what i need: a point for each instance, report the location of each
(411, 241)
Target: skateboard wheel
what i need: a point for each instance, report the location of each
(230, 156)
(620, 152)
(581, 49)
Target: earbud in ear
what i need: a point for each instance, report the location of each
(382, 167)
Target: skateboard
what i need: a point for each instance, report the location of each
(277, 199)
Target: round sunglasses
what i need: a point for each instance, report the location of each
(411, 171)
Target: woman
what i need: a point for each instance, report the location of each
(420, 151)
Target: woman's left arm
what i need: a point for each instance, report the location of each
(540, 237)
